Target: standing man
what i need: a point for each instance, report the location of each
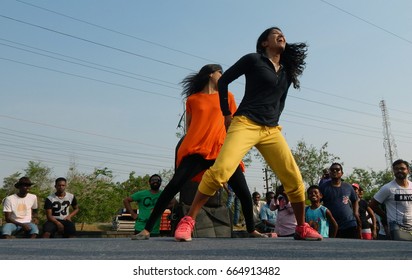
(20, 211)
(325, 176)
(396, 196)
(57, 206)
(146, 200)
(340, 198)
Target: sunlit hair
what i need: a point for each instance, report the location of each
(269, 194)
(400, 161)
(336, 163)
(292, 58)
(313, 187)
(255, 194)
(60, 179)
(195, 82)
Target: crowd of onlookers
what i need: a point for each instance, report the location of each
(336, 209)
(20, 211)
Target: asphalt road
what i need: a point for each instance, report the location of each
(165, 248)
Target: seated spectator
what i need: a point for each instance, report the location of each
(286, 222)
(57, 206)
(257, 205)
(20, 211)
(318, 216)
(267, 216)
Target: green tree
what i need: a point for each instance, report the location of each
(380, 178)
(370, 181)
(98, 196)
(134, 184)
(167, 175)
(362, 177)
(312, 160)
(9, 181)
(40, 174)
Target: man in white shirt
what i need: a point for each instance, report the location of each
(257, 205)
(20, 211)
(397, 198)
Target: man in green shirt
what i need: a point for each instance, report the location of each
(146, 200)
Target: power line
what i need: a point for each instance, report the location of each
(90, 41)
(88, 66)
(368, 22)
(88, 78)
(319, 103)
(16, 137)
(95, 43)
(80, 131)
(115, 31)
(336, 107)
(359, 126)
(345, 98)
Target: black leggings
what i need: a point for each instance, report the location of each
(189, 167)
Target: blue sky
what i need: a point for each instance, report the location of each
(96, 83)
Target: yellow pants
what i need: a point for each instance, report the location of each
(242, 135)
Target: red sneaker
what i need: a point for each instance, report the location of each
(306, 232)
(184, 229)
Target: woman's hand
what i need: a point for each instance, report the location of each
(228, 120)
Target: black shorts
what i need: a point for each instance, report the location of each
(69, 228)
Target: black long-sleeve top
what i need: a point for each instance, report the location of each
(265, 89)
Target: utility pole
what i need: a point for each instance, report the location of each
(388, 140)
(266, 179)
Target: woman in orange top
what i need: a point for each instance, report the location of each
(205, 136)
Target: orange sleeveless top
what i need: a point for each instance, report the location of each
(206, 132)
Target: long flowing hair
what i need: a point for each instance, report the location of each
(195, 82)
(292, 58)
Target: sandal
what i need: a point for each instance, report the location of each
(140, 236)
(256, 234)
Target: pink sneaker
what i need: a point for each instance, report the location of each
(306, 232)
(184, 229)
